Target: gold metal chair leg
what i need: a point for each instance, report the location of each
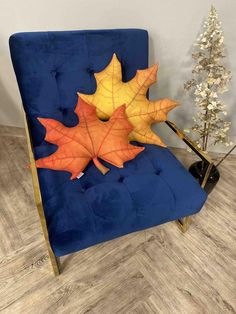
(183, 223)
(55, 262)
(38, 201)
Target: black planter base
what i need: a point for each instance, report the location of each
(198, 170)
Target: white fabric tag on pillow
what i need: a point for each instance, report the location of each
(80, 175)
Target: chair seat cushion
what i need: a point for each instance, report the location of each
(151, 189)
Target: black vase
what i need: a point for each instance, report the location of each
(198, 170)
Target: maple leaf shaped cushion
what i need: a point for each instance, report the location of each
(141, 112)
(90, 139)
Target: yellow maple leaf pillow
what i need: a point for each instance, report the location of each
(111, 93)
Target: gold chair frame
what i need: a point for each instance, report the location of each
(183, 223)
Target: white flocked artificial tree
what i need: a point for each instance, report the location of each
(210, 78)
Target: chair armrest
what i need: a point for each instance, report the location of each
(207, 160)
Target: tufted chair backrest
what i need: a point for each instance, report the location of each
(51, 67)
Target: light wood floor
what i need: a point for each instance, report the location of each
(159, 270)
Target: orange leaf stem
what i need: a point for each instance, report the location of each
(100, 166)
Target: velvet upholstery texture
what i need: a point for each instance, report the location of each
(151, 189)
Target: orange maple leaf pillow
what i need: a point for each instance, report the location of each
(89, 140)
(141, 112)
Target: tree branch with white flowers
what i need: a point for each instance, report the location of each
(210, 78)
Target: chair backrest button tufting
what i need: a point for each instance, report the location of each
(54, 72)
(90, 71)
(121, 179)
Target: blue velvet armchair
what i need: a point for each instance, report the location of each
(152, 189)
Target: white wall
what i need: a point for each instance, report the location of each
(173, 27)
